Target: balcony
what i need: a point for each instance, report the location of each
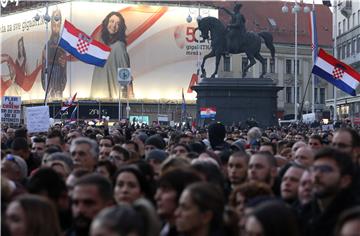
(345, 8)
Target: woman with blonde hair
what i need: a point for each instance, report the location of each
(32, 215)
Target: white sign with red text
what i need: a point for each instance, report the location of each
(10, 110)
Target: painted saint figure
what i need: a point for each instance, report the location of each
(58, 79)
(21, 59)
(104, 80)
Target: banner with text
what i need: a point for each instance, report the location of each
(10, 110)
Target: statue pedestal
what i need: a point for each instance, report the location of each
(239, 99)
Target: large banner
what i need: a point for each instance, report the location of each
(156, 42)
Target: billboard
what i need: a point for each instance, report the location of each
(156, 42)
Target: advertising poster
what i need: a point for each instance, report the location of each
(156, 42)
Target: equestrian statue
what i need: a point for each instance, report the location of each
(233, 39)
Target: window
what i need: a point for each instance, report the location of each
(339, 28)
(297, 94)
(358, 45)
(343, 25)
(348, 23)
(353, 46)
(322, 95)
(343, 51)
(272, 65)
(348, 47)
(227, 63)
(358, 21)
(316, 96)
(338, 52)
(288, 94)
(244, 62)
(298, 67)
(288, 66)
(353, 18)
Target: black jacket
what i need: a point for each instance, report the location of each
(317, 223)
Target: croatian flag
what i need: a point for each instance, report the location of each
(74, 114)
(69, 103)
(336, 72)
(82, 46)
(207, 112)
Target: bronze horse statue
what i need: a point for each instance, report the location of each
(239, 41)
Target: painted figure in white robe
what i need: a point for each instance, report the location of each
(104, 80)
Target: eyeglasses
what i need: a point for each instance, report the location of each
(322, 169)
(340, 145)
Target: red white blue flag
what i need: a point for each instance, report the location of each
(82, 46)
(207, 112)
(74, 114)
(69, 103)
(336, 72)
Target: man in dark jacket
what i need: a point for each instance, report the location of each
(332, 174)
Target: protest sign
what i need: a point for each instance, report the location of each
(37, 119)
(10, 110)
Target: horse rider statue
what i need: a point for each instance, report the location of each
(237, 23)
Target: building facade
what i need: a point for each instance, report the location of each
(282, 69)
(347, 25)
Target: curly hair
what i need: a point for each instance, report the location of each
(249, 191)
(120, 36)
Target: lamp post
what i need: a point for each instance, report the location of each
(335, 54)
(295, 10)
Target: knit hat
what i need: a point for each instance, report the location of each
(20, 163)
(157, 155)
(142, 136)
(156, 141)
(217, 134)
(239, 145)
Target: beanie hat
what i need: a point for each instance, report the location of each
(157, 155)
(20, 163)
(142, 136)
(217, 134)
(156, 141)
(239, 145)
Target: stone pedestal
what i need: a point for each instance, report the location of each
(239, 99)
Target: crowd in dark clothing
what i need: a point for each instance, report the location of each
(78, 179)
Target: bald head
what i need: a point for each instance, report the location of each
(304, 156)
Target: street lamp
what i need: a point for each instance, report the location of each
(295, 10)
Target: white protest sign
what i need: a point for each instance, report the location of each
(10, 110)
(37, 119)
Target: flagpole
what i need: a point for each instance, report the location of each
(47, 52)
(335, 54)
(119, 103)
(77, 112)
(313, 57)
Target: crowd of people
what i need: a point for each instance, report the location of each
(125, 180)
